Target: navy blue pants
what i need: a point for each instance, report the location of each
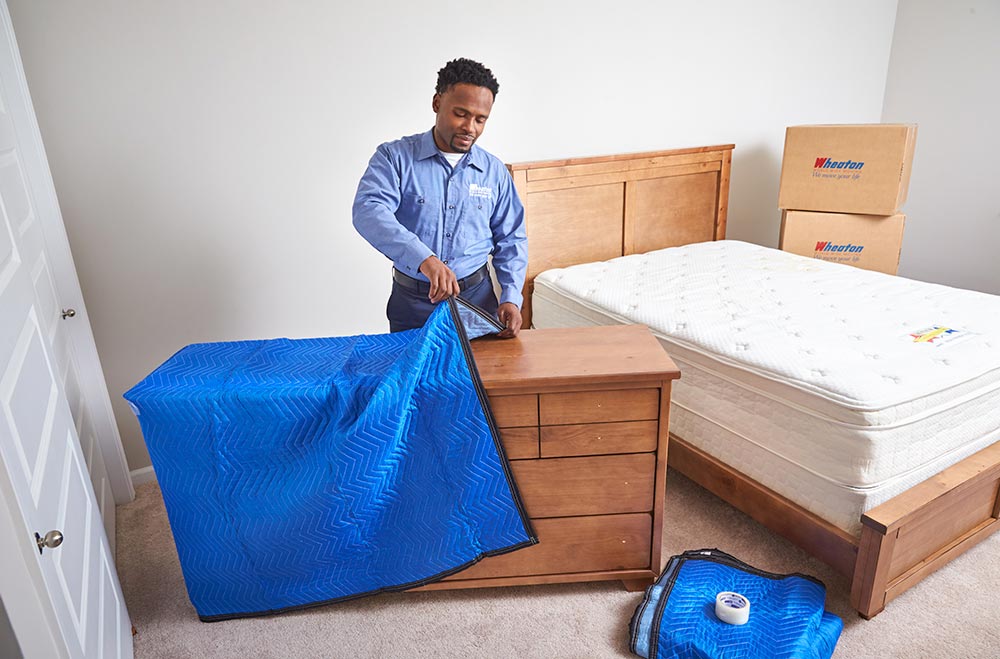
(409, 309)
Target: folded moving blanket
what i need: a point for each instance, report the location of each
(302, 472)
(677, 617)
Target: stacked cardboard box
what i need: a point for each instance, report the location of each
(841, 190)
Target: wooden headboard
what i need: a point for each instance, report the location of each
(594, 209)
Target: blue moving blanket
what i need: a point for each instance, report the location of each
(676, 618)
(302, 472)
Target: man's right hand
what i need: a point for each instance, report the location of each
(444, 283)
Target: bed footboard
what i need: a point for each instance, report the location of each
(902, 541)
(910, 536)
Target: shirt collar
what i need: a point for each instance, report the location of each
(428, 149)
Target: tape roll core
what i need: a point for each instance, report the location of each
(732, 608)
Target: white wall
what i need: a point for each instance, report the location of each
(944, 74)
(206, 153)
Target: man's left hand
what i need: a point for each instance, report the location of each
(510, 316)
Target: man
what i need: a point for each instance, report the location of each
(438, 206)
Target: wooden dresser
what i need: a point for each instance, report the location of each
(583, 415)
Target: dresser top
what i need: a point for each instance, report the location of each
(573, 356)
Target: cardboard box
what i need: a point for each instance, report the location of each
(861, 168)
(865, 241)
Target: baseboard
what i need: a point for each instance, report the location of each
(144, 475)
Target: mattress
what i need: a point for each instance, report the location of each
(834, 386)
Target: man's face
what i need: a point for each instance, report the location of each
(462, 111)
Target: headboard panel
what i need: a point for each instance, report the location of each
(593, 209)
(580, 213)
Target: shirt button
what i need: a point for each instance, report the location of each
(446, 262)
(448, 235)
(450, 206)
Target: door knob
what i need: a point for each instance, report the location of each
(51, 540)
(68, 313)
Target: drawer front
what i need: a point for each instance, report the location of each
(520, 443)
(563, 487)
(599, 438)
(515, 411)
(574, 544)
(599, 406)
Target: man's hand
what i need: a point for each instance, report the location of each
(509, 315)
(444, 283)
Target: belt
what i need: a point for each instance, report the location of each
(424, 287)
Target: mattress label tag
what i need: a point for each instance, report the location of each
(938, 336)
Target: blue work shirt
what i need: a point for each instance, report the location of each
(412, 204)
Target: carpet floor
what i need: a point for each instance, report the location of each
(952, 613)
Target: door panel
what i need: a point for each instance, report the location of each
(112, 634)
(72, 566)
(28, 394)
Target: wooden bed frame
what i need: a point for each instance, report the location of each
(593, 209)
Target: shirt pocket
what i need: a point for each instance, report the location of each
(419, 212)
(474, 224)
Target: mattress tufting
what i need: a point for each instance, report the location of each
(808, 376)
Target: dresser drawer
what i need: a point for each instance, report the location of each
(574, 544)
(515, 411)
(561, 487)
(599, 406)
(599, 438)
(520, 443)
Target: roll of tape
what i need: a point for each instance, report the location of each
(732, 608)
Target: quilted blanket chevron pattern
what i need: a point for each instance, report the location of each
(303, 472)
(677, 620)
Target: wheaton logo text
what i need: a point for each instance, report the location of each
(826, 163)
(831, 247)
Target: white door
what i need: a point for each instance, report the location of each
(47, 481)
(61, 311)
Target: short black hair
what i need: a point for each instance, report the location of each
(464, 70)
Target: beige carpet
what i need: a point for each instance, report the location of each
(953, 613)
